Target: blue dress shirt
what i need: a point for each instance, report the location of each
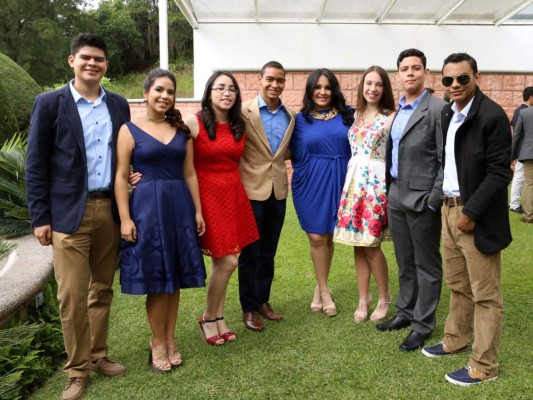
(275, 123)
(398, 127)
(97, 133)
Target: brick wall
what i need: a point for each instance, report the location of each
(505, 89)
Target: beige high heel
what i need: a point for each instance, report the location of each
(361, 313)
(381, 309)
(316, 304)
(158, 359)
(328, 303)
(174, 356)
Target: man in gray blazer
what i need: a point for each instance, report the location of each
(523, 152)
(414, 183)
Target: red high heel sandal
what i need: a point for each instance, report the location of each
(228, 336)
(214, 340)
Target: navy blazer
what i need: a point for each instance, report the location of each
(483, 159)
(56, 162)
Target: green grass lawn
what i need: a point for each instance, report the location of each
(310, 356)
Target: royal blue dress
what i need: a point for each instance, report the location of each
(167, 255)
(320, 153)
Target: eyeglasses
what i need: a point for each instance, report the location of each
(463, 79)
(223, 89)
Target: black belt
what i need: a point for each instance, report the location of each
(453, 201)
(99, 194)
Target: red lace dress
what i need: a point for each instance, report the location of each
(229, 219)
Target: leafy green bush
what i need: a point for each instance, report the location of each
(14, 214)
(17, 93)
(30, 348)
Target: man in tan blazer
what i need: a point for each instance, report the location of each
(269, 126)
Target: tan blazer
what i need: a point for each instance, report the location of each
(262, 171)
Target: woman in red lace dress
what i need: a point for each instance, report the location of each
(218, 133)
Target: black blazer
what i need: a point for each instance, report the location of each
(56, 162)
(483, 159)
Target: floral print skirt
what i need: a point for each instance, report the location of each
(362, 213)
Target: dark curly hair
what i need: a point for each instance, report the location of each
(459, 57)
(337, 98)
(87, 39)
(172, 115)
(207, 115)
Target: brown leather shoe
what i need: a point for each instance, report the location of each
(266, 311)
(527, 219)
(75, 388)
(252, 321)
(106, 367)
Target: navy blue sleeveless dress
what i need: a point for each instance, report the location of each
(167, 255)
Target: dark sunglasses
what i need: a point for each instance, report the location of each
(463, 79)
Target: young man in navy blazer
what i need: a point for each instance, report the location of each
(69, 179)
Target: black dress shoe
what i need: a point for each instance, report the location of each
(393, 324)
(414, 341)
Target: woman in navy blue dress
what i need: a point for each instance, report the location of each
(162, 220)
(320, 153)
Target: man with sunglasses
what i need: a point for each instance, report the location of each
(476, 164)
(414, 183)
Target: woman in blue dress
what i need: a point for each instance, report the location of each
(162, 220)
(320, 153)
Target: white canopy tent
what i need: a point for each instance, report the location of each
(241, 35)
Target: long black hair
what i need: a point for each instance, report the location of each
(207, 115)
(172, 115)
(337, 98)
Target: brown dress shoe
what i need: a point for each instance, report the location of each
(75, 388)
(526, 220)
(252, 321)
(107, 367)
(266, 311)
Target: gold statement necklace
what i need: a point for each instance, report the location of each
(156, 120)
(325, 116)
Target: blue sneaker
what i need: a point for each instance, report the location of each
(468, 376)
(440, 350)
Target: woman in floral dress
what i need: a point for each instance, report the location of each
(362, 213)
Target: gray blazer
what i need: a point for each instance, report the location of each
(419, 155)
(523, 136)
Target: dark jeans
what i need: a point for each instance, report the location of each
(256, 262)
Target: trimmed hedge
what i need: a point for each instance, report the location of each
(17, 93)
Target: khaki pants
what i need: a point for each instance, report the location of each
(476, 302)
(527, 192)
(84, 267)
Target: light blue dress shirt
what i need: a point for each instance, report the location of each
(275, 123)
(398, 127)
(97, 133)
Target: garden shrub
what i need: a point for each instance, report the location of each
(31, 348)
(17, 93)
